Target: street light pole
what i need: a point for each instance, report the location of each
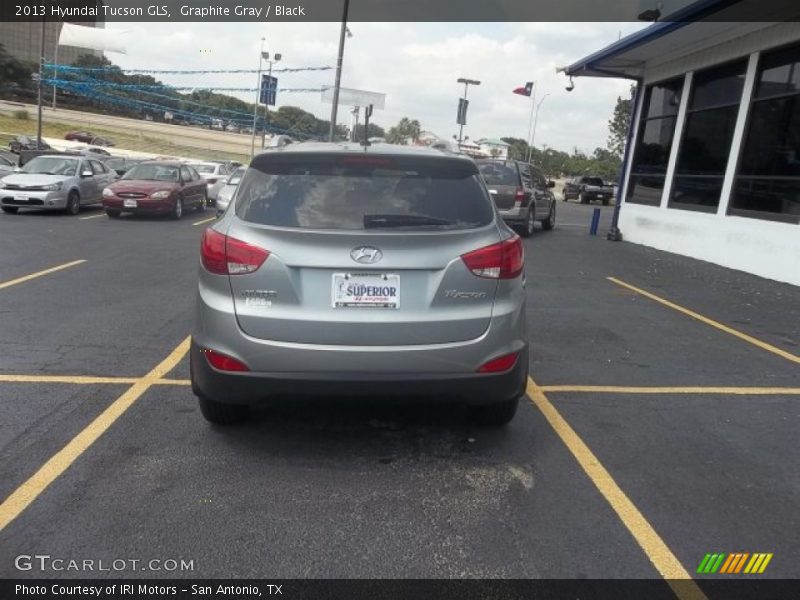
(535, 119)
(258, 97)
(277, 57)
(340, 59)
(467, 83)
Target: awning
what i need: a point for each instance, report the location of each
(680, 34)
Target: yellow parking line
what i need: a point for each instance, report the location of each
(742, 336)
(92, 217)
(26, 493)
(205, 221)
(6, 284)
(616, 389)
(172, 382)
(662, 558)
(76, 379)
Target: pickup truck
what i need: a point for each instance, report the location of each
(587, 188)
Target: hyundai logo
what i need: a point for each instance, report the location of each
(366, 255)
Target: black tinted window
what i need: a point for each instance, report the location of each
(592, 181)
(499, 174)
(360, 192)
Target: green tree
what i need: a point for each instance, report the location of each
(619, 123)
(405, 129)
(13, 70)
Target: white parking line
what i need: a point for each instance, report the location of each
(92, 217)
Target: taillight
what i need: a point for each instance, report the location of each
(519, 195)
(504, 260)
(224, 255)
(499, 364)
(223, 362)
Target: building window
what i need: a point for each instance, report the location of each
(703, 154)
(651, 153)
(767, 184)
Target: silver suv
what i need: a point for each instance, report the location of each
(385, 273)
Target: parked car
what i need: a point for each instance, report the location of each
(100, 141)
(382, 274)
(56, 182)
(226, 192)
(215, 174)
(521, 194)
(6, 166)
(156, 187)
(23, 142)
(121, 164)
(91, 150)
(587, 188)
(80, 136)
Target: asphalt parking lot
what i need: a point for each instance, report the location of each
(653, 435)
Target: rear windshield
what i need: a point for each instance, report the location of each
(592, 181)
(203, 168)
(499, 174)
(354, 192)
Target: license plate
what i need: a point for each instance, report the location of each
(366, 290)
(21, 198)
(599, 195)
(129, 203)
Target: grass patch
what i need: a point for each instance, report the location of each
(21, 115)
(11, 126)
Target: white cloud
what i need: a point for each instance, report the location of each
(415, 64)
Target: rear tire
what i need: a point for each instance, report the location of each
(494, 415)
(10, 210)
(73, 206)
(219, 413)
(114, 214)
(606, 201)
(550, 221)
(526, 230)
(203, 203)
(583, 198)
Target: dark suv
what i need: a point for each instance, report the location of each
(521, 194)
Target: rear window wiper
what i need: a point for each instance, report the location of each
(389, 220)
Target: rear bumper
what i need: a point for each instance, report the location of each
(515, 214)
(254, 388)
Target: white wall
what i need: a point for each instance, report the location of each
(764, 248)
(767, 248)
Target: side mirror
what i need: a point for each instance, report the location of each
(87, 173)
(551, 183)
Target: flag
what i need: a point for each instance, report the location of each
(525, 91)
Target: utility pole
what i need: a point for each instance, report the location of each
(39, 96)
(340, 59)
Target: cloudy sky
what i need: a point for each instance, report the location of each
(415, 64)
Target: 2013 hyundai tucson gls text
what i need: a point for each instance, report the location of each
(383, 272)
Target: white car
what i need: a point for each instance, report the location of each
(215, 175)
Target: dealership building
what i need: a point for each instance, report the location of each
(712, 165)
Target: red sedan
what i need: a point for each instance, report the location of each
(80, 136)
(156, 187)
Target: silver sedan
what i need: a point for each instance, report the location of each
(55, 182)
(225, 194)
